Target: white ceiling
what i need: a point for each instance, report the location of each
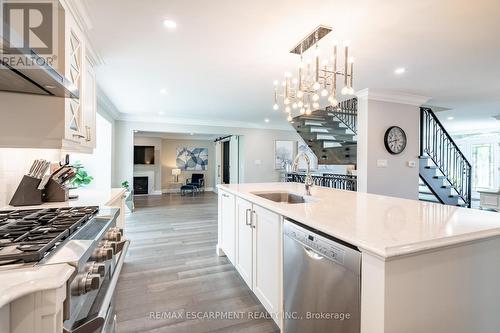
(179, 136)
(220, 62)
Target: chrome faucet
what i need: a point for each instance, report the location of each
(308, 181)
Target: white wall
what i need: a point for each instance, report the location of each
(169, 155)
(155, 169)
(99, 163)
(376, 114)
(16, 162)
(257, 145)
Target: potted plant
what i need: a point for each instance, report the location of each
(81, 177)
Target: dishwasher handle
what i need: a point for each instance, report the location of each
(312, 254)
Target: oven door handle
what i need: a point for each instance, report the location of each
(97, 322)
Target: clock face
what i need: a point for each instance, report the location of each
(395, 140)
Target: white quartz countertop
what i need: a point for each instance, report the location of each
(17, 283)
(382, 225)
(86, 197)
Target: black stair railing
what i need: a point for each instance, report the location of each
(347, 112)
(437, 144)
(343, 182)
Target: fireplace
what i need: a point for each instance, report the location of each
(140, 185)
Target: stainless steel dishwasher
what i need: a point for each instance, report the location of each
(322, 282)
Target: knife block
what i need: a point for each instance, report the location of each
(55, 192)
(27, 193)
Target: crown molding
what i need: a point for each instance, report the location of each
(106, 104)
(79, 11)
(151, 118)
(392, 97)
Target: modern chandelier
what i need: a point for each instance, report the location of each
(317, 78)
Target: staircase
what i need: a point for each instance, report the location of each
(331, 133)
(445, 173)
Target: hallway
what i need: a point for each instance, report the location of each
(172, 271)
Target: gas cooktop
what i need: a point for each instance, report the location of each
(29, 235)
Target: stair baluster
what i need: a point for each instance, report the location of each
(439, 147)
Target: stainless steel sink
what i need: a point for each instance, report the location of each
(284, 197)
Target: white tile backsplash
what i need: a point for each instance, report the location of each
(14, 163)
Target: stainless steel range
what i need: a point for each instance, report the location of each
(84, 237)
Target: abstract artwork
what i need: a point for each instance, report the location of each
(283, 154)
(192, 159)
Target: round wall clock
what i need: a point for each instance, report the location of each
(395, 140)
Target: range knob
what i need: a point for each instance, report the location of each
(85, 283)
(102, 254)
(96, 268)
(107, 243)
(114, 234)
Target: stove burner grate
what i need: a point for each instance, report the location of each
(28, 235)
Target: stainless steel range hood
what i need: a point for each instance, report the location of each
(37, 78)
(40, 80)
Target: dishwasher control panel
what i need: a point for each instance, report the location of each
(315, 242)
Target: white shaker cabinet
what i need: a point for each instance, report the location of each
(257, 249)
(267, 258)
(244, 240)
(226, 225)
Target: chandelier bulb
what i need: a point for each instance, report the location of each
(302, 111)
(333, 101)
(288, 110)
(300, 94)
(294, 105)
(345, 90)
(289, 118)
(286, 101)
(324, 93)
(275, 107)
(315, 105)
(300, 104)
(315, 97)
(316, 85)
(308, 112)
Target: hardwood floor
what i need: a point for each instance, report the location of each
(173, 281)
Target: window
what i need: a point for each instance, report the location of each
(482, 167)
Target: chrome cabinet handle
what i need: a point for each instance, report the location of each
(247, 222)
(225, 195)
(252, 222)
(88, 138)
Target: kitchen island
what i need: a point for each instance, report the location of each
(425, 267)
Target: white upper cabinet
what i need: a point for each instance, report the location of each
(36, 121)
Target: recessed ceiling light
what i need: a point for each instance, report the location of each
(191, 133)
(169, 24)
(48, 86)
(161, 113)
(400, 70)
(266, 120)
(451, 118)
(135, 131)
(163, 91)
